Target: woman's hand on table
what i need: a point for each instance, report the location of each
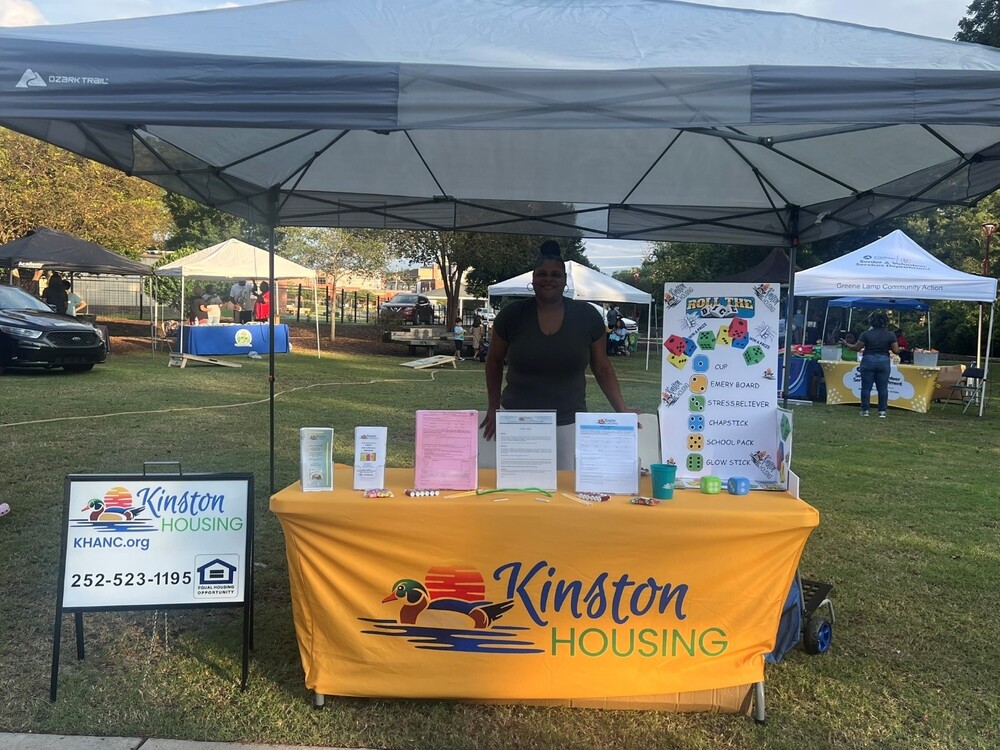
(489, 424)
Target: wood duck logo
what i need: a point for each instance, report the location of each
(449, 611)
(113, 512)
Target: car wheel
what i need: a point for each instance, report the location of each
(78, 368)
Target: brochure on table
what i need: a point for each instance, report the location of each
(526, 449)
(718, 410)
(316, 459)
(607, 453)
(447, 445)
(369, 457)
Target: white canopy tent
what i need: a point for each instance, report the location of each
(234, 260)
(636, 119)
(587, 284)
(893, 267)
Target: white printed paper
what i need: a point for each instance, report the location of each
(607, 453)
(526, 449)
(369, 457)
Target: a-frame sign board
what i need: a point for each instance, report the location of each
(155, 541)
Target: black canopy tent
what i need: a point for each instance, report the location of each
(48, 249)
(637, 119)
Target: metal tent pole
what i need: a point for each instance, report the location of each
(790, 306)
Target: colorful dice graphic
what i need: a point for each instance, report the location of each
(699, 383)
(738, 486)
(723, 338)
(695, 462)
(696, 403)
(677, 360)
(741, 343)
(711, 485)
(675, 344)
(699, 363)
(696, 442)
(738, 329)
(786, 427)
(753, 354)
(706, 340)
(696, 423)
(690, 347)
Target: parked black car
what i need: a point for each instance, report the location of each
(414, 308)
(31, 335)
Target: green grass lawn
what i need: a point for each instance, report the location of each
(909, 535)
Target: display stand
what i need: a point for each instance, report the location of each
(124, 548)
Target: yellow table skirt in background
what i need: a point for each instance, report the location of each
(480, 597)
(910, 386)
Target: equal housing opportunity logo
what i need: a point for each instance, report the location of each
(32, 79)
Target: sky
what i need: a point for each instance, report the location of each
(935, 18)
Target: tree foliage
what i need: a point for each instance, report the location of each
(45, 186)
(335, 253)
(981, 24)
(196, 226)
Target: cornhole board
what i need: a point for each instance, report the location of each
(181, 360)
(435, 361)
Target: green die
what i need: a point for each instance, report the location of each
(706, 340)
(711, 485)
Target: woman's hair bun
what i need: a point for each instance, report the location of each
(550, 248)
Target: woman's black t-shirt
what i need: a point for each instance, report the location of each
(877, 340)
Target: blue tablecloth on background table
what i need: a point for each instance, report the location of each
(800, 379)
(233, 339)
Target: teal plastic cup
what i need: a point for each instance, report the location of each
(663, 476)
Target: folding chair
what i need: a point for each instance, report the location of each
(162, 339)
(970, 389)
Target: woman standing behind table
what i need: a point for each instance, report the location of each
(548, 342)
(262, 307)
(876, 343)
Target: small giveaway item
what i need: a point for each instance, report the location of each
(662, 477)
(738, 486)
(639, 500)
(316, 459)
(711, 485)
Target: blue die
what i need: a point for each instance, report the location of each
(738, 486)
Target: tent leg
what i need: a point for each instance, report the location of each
(789, 311)
(986, 366)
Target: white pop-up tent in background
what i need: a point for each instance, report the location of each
(234, 260)
(718, 410)
(895, 266)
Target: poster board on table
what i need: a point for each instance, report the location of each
(718, 407)
(149, 541)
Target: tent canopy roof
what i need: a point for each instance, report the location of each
(581, 283)
(891, 267)
(234, 259)
(64, 252)
(870, 303)
(635, 119)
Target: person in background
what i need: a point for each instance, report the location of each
(459, 332)
(905, 355)
(846, 352)
(614, 315)
(477, 334)
(242, 296)
(74, 302)
(262, 307)
(55, 293)
(211, 305)
(548, 341)
(876, 343)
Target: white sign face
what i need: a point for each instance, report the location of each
(146, 541)
(900, 389)
(719, 382)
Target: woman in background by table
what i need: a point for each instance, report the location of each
(875, 343)
(905, 355)
(548, 342)
(262, 307)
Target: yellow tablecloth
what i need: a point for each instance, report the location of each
(910, 386)
(561, 600)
